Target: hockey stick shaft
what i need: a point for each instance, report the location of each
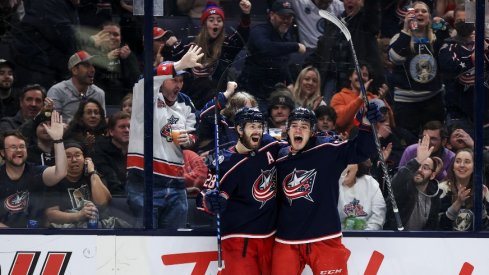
(216, 158)
(363, 91)
(383, 165)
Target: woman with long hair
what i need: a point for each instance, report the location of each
(87, 124)
(219, 50)
(416, 79)
(457, 199)
(307, 89)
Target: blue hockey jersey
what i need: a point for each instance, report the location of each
(249, 181)
(309, 187)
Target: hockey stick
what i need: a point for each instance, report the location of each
(220, 265)
(216, 161)
(333, 19)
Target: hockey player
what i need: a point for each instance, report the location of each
(308, 224)
(246, 199)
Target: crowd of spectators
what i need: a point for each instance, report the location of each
(82, 58)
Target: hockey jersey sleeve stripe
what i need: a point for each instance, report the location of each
(162, 168)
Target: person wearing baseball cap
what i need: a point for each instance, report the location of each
(68, 94)
(270, 45)
(282, 7)
(9, 105)
(279, 109)
(165, 44)
(79, 57)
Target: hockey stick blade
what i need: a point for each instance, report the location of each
(333, 19)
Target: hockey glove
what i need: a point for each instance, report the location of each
(373, 113)
(214, 202)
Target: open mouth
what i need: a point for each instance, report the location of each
(255, 139)
(298, 139)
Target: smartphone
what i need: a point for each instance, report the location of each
(85, 169)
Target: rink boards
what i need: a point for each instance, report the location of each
(140, 255)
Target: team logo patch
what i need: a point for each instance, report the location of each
(355, 209)
(165, 131)
(464, 220)
(265, 186)
(17, 202)
(467, 78)
(423, 68)
(299, 184)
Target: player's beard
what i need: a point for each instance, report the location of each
(248, 143)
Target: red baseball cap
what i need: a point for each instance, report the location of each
(77, 58)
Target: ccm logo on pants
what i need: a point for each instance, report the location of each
(332, 271)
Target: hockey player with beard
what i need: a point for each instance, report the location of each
(246, 198)
(308, 223)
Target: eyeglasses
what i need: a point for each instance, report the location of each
(75, 156)
(14, 148)
(426, 167)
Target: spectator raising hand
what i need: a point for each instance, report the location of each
(424, 149)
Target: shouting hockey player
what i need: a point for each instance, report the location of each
(308, 224)
(247, 197)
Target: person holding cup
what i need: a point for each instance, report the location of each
(171, 107)
(179, 135)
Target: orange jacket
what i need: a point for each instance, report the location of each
(347, 103)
